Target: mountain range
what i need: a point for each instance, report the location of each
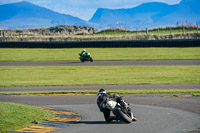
(26, 15)
(149, 15)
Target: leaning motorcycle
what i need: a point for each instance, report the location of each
(85, 57)
(121, 110)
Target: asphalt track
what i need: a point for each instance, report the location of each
(155, 113)
(97, 87)
(150, 120)
(99, 63)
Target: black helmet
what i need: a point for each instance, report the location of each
(102, 91)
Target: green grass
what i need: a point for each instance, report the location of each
(97, 75)
(71, 54)
(197, 94)
(16, 116)
(161, 31)
(135, 91)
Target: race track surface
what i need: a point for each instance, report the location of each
(191, 104)
(150, 119)
(97, 87)
(99, 63)
(155, 113)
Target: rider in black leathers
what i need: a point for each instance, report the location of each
(101, 99)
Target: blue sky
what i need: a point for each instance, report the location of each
(85, 9)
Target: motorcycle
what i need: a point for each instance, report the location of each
(121, 110)
(85, 57)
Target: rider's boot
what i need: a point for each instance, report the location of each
(134, 118)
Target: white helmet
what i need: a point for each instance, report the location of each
(84, 50)
(102, 91)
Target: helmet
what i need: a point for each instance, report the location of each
(84, 50)
(102, 91)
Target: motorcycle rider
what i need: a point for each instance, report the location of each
(101, 99)
(83, 52)
(84, 56)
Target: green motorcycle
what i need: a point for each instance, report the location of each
(85, 57)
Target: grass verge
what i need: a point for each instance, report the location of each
(84, 92)
(15, 116)
(71, 54)
(196, 94)
(97, 75)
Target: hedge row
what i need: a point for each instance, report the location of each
(104, 44)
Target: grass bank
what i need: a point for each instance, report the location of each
(71, 54)
(16, 116)
(155, 31)
(83, 92)
(97, 75)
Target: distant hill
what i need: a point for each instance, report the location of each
(23, 15)
(148, 15)
(27, 15)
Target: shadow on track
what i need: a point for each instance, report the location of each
(98, 122)
(71, 62)
(76, 63)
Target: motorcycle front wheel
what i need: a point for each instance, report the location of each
(122, 116)
(91, 60)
